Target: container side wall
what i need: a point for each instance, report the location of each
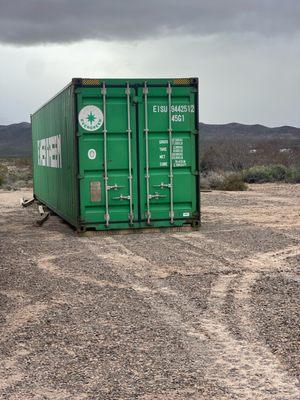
(55, 156)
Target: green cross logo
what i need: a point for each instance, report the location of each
(91, 118)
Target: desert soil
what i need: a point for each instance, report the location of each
(212, 314)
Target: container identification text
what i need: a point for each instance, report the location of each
(49, 152)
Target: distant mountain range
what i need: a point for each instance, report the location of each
(15, 139)
(251, 131)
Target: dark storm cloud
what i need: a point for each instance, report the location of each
(58, 21)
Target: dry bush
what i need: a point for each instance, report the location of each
(233, 182)
(212, 180)
(15, 173)
(222, 181)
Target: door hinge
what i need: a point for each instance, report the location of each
(80, 176)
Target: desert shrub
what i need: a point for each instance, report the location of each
(204, 184)
(21, 175)
(3, 173)
(23, 162)
(3, 169)
(222, 181)
(257, 174)
(233, 182)
(210, 159)
(213, 180)
(266, 173)
(278, 172)
(13, 176)
(293, 176)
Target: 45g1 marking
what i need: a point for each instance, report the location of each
(177, 118)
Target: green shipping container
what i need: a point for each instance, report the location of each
(120, 153)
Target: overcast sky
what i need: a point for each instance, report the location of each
(246, 53)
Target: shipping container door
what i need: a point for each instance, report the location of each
(167, 131)
(107, 156)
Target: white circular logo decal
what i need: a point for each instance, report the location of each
(90, 118)
(92, 154)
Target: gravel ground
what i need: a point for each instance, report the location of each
(212, 314)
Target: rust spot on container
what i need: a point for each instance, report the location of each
(182, 81)
(95, 190)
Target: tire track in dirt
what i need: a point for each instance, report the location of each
(246, 366)
(270, 262)
(197, 239)
(241, 284)
(22, 313)
(248, 370)
(250, 354)
(48, 265)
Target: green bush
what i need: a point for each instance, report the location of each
(278, 172)
(293, 176)
(233, 182)
(257, 174)
(263, 173)
(3, 172)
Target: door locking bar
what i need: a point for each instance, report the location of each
(147, 176)
(127, 92)
(106, 215)
(170, 130)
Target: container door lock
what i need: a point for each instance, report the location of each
(156, 196)
(121, 197)
(114, 187)
(163, 185)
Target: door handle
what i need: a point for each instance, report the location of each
(121, 197)
(156, 196)
(114, 187)
(163, 185)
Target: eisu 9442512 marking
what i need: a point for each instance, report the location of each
(182, 108)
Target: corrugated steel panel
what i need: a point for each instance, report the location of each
(55, 155)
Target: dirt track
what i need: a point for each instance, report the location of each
(212, 314)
